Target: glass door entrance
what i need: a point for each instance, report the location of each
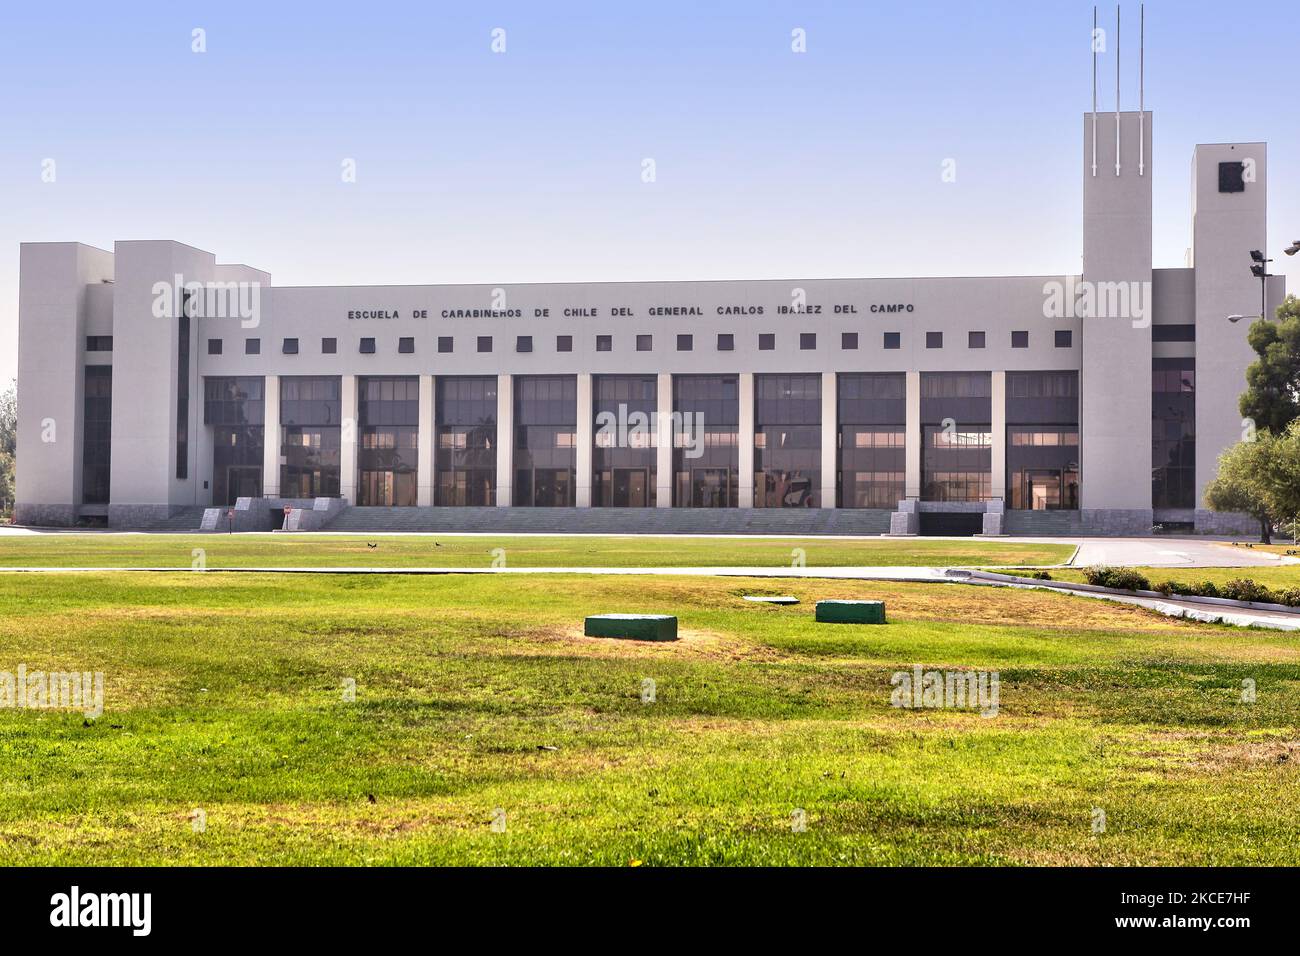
(1047, 489)
(631, 488)
(710, 487)
(242, 481)
(387, 489)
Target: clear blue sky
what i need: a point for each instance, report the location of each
(526, 166)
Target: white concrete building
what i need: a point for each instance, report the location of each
(155, 382)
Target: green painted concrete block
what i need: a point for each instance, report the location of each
(851, 612)
(635, 627)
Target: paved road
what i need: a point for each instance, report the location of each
(1171, 552)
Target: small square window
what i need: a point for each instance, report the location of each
(604, 343)
(214, 346)
(645, 343)
(726, 342)
(252, 346)
(766, 341)
(934, 340)
(685, 343)
(893, 340)
(406, 345)
(975, 340)
(849, 340)
(1064, 338)
(99, 343)
(807, 340)
(329, 346)
(564, 343)
(290, 347)
(485, 343)
(367, 346)
(444, 343)
(523, 343)
(1232, 178)
(1020, 340)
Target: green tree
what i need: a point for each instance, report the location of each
(8, 445)
(1260, 478)
(1243, 482)
(1272, 396)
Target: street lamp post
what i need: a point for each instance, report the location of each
(1260, 271)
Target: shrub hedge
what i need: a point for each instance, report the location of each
(1238, 589)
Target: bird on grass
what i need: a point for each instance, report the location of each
(371, 546)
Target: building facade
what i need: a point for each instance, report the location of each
(155, 381)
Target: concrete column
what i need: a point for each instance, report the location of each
(745, 442)
(664, 448)
(582, 458)
(424, 479)
(271, 437)
(505, 441)
(999, 471)
(348, 446)
(830, 437)
(912, 459)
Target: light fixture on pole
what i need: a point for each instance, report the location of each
(1260, 271)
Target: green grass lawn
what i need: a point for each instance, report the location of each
(479, 692)
(393, 551)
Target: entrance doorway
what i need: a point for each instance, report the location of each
(710, 487)
(242, 481)
(387, 489)
(1046, 489)
(631, 488)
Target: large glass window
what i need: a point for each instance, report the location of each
(956, 436)
(872, 436)
(624, 455)
(546, 432)
(310, 436)
(234, 407)
(1173, 432)
(183, 392)
(787, 441)
(388, 425)
(1043, 440)
(96, 434)
(706, 452)
(466, 455)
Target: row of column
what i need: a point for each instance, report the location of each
(664, 461)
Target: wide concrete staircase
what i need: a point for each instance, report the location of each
(1043, 523)
(615, 520)
(187, 519)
